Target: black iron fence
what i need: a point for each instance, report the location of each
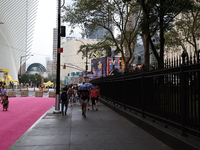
(170, 95)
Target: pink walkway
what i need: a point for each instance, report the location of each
(22, 113)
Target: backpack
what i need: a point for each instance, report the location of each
(64, 96)
(93, 93)
(84, 95)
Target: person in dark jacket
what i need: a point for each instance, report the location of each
(64, 101)
(84, 95)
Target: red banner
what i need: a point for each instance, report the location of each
(60, 50)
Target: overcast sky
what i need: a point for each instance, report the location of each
(42, 46)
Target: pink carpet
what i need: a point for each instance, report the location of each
(22, 113)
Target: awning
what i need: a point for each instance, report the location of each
(49, 83)
(11, 79)
(1, 79)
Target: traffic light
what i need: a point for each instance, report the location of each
(62, 31)
(64, 66)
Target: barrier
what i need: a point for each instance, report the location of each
(11, 94)
(24, 93)
(38, 94)
(52, 94)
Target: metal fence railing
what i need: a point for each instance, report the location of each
(170, 95)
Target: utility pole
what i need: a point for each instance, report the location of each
(86, 65)
(61, 32)
(57, 102)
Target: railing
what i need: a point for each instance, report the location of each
(171, 95)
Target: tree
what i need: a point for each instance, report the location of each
(111, 15)
(187, 32)
(157, 19)
(28, 78)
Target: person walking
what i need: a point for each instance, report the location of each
(3, 92)
(64, 101)
(70, 95)
(94, 94)
(97, 100)
(75, 95)
(5, 103)
(84, 95)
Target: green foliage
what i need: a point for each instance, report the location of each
(91, 15)
(158, 18)
(30, 78)
(187, 27)
(172, 41)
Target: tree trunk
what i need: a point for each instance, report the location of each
(146, 51)
(162, 39)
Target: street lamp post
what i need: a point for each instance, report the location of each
(57, 104)
(86, 63)
(59, 34)
(21, 68)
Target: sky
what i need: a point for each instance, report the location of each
(42, 45)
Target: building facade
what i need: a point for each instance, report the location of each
(74, 62)
(17, 21)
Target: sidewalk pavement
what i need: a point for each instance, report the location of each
(100, 130)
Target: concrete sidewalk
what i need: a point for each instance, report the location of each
(100, 130)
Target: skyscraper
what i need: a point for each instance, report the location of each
(16, 32)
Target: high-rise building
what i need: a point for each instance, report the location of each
(54, 64)
(17, 21)
(74, 62)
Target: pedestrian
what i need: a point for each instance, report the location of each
(79, 97)
(89, 103)
(5, 103)
(75, 95)
(94, 94)
(70, 95)
(97, 100)
(0, 95)
(84, 95)
(3, 92)
(64, 101)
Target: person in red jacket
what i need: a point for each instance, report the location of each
(94, 94)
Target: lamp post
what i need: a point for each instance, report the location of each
(70, 65)
(21, 68)
(57, 102)
(86, 63)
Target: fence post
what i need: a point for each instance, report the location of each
(183, 95)
(198, 53)
(142, 93)
(124, 93)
